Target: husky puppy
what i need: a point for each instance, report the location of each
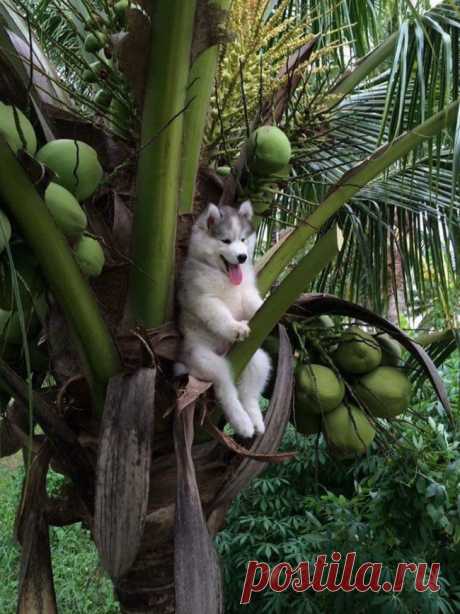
(218, 296)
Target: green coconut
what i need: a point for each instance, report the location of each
(103, 98)
(90, 256)
(29, 278)
(65, 210)
(120, 8)
(224, 171)
(10, 132)
(269, 151)
(306, 423)
(95, 41)
(391, 350)
(76, 165)
(318, 389)
(348, 430)
(358, 352)
(93, 73)
(385, 392)
(96, 22)
(121, 117)
(5, 231)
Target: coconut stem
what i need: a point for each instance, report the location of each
(200, 85)
(160, 162)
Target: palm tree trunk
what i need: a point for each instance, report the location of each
(149, 586)
(396, 298)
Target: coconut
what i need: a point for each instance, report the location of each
(96, 22)
(90, 256)
(92, 74)
(391, 350)
(224, 171)
(305, 422)
(358, 352)
(95, 41)
(5, 231)
(76, 165)
(120, 8)
(103, 98)
(30, 281)
(385, 392)
(10, 132)
(348, 430)
(121, 117)
(318, 389)
(65, 210)
(269, 151)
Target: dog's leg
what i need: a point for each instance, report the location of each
(214, 368)
(251, 385)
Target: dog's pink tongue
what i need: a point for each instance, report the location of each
(235, 274)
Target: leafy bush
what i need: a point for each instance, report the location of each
(398, 504)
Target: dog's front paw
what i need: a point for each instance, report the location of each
(241, 330)
(257, 418)
(259, 425)
(243, 426)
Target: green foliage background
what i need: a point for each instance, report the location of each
(402, 504)
(395, 505)
(80, 583)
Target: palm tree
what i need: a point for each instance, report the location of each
(368, 95)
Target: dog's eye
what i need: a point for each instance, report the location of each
(226, 241)
(243, 239)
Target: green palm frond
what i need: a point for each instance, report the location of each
(425, 72)
(358, 26)
(409, 213)
(61, 27)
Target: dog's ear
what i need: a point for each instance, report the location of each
(210, 216)
(246, 210)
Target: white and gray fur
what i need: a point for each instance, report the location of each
(215, 312)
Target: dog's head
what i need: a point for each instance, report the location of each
(225, 238)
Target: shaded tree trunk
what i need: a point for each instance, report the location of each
(396, 298)
(150, 584)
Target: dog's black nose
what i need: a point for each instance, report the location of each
(242, 258)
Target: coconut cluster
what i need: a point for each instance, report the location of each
(344, 392)
(77, 173)
(268, 154)
(111, 95)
